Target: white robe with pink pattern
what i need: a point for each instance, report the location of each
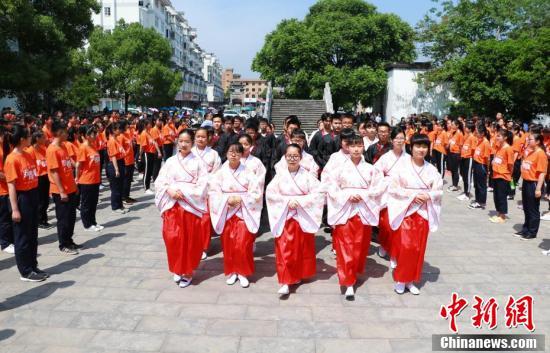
(242, 182)
(187, 175)
(255, 165)
(302, 187)
(307, 162)
(209, 157)
(389, 164)
(405, 185)
(347, 179)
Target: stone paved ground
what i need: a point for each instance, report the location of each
(117, 295)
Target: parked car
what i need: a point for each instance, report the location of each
(230, 113)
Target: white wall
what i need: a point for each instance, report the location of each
(405, 96)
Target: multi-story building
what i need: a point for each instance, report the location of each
(212, 72)
(187, 56)
(247, 91)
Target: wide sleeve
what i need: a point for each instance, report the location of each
(277, 205)
(434, 203)
(163, 201)
(310, 206)
(217, 201)
(252, 203)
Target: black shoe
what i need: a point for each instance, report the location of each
(519, 234)
(44, 225)
(510, 198)
(33, 277)
(42, 273)
(129, 201)
(76, 246)
(527, 237)
(69, 251)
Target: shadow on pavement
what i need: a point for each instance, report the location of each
(6, 333)
(72, 264)
(33, 294)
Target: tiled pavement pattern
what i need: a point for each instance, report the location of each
(117, 295)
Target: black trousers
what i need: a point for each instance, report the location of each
(500, 195)
(25, 232)
(116, 183)
(168, 150)
(491, 183)
(102, 161)
(453, 160)
(156, 168)
(466, 171)
(141, 164)
(6, 224)
(516, 174)
(439, 161)
(531, 208)
(127, 183)
(480, 183)
(65, 213)
(150, 162)
(89, 197)
(43, 198)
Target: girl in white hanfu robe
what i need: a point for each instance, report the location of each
(389, 164)
(307, 161)
(180, 195)
(235, 199)
(353, 207)
(212, 162)
(294, 203)
(252, 163)
(414, 207)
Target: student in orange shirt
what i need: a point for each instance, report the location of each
(466, 160)
(38, 151)
(456, 140)
(533, 173)
(88, 179)
(6, 224)
(63, 188)
(439, 149)
(156, 132)
(125, 139)
(115, 167)
(47, 122)
(150, 152)
(169, 136)
(518, 147)
(22, 179)
(101, 147)
(502, 164)
(492, 128)
(481, 163)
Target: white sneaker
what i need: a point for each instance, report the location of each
(393, 263)
(120, 211)
(489, 189)
(399, 288)
(10, 249)
(149, 192)
(140, 176)
(101, 187)
(176, 278)
(412, 288)
(350, 292)
(99, 227)
(244, 281)
(381, 252)
(185, 282)
(545, 217)
(90, 229)
(284, 290)
(204, 256)
(546, 252)
(231, 280)
(463, 197)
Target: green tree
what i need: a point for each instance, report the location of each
(133, 63)
(494, 53)
(82, 90)
(36, 43)
(344, 42)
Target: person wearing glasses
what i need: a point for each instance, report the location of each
(294, 203)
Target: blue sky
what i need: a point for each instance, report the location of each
(234, 30)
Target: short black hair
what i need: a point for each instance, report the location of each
(293, 145)
(247, 137)
(237, 146)
(396, 131)
(347, 134)
(420, 139)
(58, 125)
(298, 133)
(382, 124)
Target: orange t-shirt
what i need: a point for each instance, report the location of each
(182, 127)
(115, 149)
(89, 165)
(169, 134)
(441, 141)
(146, 141)
(503, 163)
(72, 149)
(101, 141)
(58, 159)
(126, 141)
(468, 147)
(517, 146)
(482, 152)
(20, 168)
(456, 141)
(431, 136)
(3, 184)
(534, 165)
(493, 144)
(157, 135)
(39, 155)
(408, 134)
(48, 134)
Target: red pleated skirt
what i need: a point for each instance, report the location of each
(206, 230)
(351, 242)
(294, 253)
(386, 236)
(237, 245)
(183, 244)
(413, 238)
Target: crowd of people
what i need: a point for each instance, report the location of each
(357, 177)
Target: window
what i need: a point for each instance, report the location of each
(107, 11)
(247, 96)
(253, 89)
(253, 96)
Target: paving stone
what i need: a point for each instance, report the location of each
(176, 325)
(203, 344)
(147, 342)
(276, 345)
(310, 329)
(244, 328)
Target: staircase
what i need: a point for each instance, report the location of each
(308, 111)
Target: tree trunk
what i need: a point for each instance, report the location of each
(125, 102)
